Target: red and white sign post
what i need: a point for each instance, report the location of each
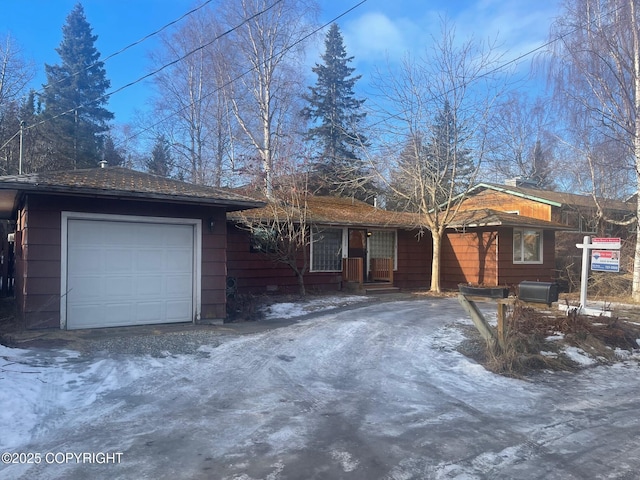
(604, 255)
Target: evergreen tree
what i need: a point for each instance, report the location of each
(336, 114)
(112, 155)
(160, 162)
(74, 98)
(540, 171)
(432, 167)
(449, 166)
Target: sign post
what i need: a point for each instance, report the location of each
(605, 257)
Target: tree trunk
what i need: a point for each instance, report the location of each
(301, 289)
(435, 263)
(636, 145)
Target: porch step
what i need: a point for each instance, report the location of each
(379, 289)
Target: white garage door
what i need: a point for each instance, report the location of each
(124, 273)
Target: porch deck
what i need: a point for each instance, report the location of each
(379, 278)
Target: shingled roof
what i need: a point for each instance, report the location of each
(355, 213)
(487, 217)
(119, 182)
(341, 211)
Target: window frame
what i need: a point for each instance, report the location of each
(521, 260)
(319, 230)
(394, 232)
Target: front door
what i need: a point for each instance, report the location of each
(358, 247)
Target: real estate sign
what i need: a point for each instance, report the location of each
(605, 260)
(606, 243)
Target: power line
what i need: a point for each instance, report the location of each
(109, 57)
(144, 77)
(131, 45)
(246, 72)
(397, 115)
(504, 65)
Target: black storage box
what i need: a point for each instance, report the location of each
(538, 292)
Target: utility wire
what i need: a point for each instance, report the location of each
(131, 45)
(246, 72)
(391, 116)
(144, 77)
(109, 57)
(502, 66)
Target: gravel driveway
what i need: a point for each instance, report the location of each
(375, 392)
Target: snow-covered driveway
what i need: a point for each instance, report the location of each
(376, 392)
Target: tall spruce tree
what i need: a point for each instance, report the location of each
(337, 116)
(74, 98)
(449, 165)
(161, 162)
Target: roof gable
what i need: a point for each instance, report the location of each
(552, 198)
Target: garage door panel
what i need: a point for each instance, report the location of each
(85, 260)
(85, 288)
(125, 273)
(176, 310)
(120, 286)
(150, 261)
(92, 317)
(118, 261)
(148, 312)
(179, 261)
(177, 285)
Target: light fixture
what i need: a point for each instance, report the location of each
(212, 224)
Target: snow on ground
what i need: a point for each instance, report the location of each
(377, 391)
(300, 308)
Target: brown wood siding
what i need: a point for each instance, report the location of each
(469, 257)
(38, 263)
(414, 260)
(510, 273)
(255, 273)
(504, 202)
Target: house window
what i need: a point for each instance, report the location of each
(588, 225)
(527, 246)
(326, 247)
(571, 219)
(382, 244)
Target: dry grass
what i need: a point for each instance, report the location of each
(528, 332)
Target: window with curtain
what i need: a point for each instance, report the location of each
(527, 246)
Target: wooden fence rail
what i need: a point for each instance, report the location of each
(382, 269)
(352, 269)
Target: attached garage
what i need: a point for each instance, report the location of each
(128, 270)
(113, 247)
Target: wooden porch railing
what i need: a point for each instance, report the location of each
(382, 269)
(352, 270)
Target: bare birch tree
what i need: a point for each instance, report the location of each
(282, 229)
(596, 72)
(191, 96)
(522, 140)
(264, 77)
(429, 176)
(15, 74)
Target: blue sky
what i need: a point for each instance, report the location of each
(377, 31)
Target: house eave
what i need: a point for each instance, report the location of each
(510, 191)
(9, 195)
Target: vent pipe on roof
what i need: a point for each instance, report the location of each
(103, 163)
(521, 182)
